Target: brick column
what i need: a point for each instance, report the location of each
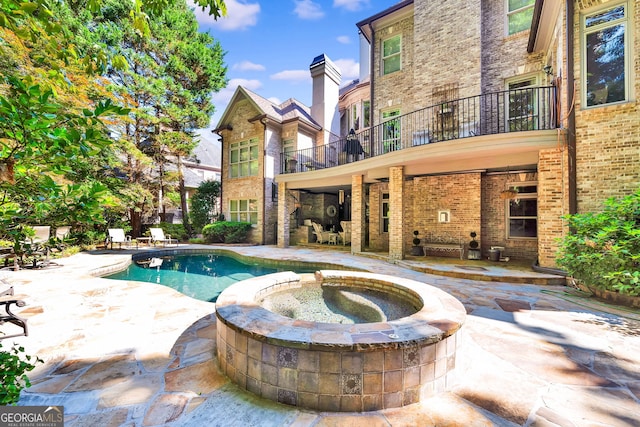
(396, 215)
(553, 203)
(283, 215)
(357, 213)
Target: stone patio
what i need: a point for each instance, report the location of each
(123, 353)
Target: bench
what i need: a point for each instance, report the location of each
(442, 246)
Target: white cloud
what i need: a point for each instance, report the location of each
(220, 99)
(240, 15)
(248, 66)
(293, 76)
(351, 5)
(307, 9)
(349, 68)
(344, 39)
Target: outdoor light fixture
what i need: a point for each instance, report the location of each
(341, 196)
(547, 70)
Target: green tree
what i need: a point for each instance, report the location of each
(57, 111)
(172, 75)
(204, 204)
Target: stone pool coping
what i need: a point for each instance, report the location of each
(247, 259)
(441, 314)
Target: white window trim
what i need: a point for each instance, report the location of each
(248, 212)
(249, 140)
(628, 37)
(382, 217)
(512, 12)
(386, 119)
(522, 197)
(385, 57)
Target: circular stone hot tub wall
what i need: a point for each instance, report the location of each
(338, 367)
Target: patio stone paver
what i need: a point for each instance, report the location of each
(121, 353)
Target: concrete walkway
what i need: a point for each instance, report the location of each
(123, 353)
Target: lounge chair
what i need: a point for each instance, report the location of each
(6, 300)
(322, 235)
(36, 245)
(62, 232)
(345, 234)
(42, 233)
(116, 235)
(157, 236)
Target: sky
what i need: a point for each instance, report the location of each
(270, 44)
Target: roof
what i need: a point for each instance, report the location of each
(207, 152)
(291, 109)
(191, 178)
(365, 25)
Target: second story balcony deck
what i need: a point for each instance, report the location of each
(505, 112)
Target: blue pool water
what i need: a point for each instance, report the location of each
(202, 276)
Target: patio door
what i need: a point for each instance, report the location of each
(390, 130)
(522, 111)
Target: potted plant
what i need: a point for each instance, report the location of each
(416, 249)
(474, 252)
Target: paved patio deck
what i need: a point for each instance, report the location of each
(123, 353)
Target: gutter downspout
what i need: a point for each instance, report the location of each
(217, 132)
(264, 191)
(372, 73)
(571, 119)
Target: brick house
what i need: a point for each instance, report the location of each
(478, 119)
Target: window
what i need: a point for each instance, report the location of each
(519, 15)
(605, 56)
(243, 210)
(355, 123)
(523, 212)
(244, 158)
(366, 113)
(384, 213)
(390, 130)
(523, 114)
(391, 54)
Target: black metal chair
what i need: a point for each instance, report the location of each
(6, 300)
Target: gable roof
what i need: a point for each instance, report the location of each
(289, 110)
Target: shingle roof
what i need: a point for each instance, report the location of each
(288, 110)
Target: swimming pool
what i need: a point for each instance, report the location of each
(200, 276)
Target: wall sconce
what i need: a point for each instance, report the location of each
(547, 70)
(341, 196)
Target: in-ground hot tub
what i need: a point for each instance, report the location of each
(385, 363)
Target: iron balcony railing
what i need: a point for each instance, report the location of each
(488, 114)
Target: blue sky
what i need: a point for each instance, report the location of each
(270, 44)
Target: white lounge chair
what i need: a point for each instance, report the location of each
(41, 235)
(157, 236)
(116, 235)
(345, 234)
(62, 232)
(322, 235)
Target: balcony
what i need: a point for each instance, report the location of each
(509, 111)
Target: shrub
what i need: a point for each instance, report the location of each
(13, 377)
(227, 232)
(603, 249)
(177, 231)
